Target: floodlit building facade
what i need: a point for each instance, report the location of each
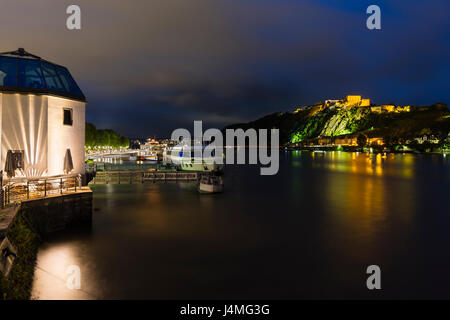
(42, 118)
(357, 101)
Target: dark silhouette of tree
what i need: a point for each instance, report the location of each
(361, 140)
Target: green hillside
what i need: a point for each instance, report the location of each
(340, 119)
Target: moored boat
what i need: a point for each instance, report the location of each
(178, 156)
(151, 157)
(210, 184)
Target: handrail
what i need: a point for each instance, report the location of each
(25, 179)
(24, 189)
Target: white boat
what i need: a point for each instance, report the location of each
(178, 156)
(151, 157)
(210, 184)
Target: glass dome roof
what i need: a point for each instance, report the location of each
(23, 72)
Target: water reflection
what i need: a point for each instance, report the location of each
(308, 232)
(364, 163)
(53, 274)
(358, 203)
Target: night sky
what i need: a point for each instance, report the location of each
(148, 67)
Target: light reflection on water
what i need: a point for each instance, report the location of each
(308, 232)
(360, 163)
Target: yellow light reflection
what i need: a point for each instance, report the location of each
(51, 275)
(366, 163)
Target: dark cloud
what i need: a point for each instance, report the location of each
(150, 66)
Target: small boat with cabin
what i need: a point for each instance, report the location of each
(210, 184)
(183, 155)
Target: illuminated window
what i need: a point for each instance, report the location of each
(68, 119)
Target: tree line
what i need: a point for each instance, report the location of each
(100, 138)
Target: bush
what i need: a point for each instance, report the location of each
(19, 283)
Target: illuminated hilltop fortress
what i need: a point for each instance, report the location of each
(352, 100)
(42, 117)
(355, 101)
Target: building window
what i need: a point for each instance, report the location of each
(68, 117)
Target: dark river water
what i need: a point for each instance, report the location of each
(308, 232)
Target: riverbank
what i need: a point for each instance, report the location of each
(372, 149)
(33, 221)
(17, 286)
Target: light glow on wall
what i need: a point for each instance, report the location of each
(24, 127)
(34, 124)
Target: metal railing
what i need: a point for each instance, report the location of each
(102, 166)
(22, 189)
(130, 177)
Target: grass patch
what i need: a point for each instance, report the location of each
(19, 283)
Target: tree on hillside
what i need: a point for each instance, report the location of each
(124, 142)
(361, 140)
(90, 135)
(103, 138)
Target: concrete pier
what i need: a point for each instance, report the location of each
(23, 226)
(133, 177)
(58, 212)
(51, 213)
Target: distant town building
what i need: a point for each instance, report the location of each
(364, 103)
(42, 117)
(347, 140)
(353, 100)
(403, 109)
(357, 101)
(382, 108)
(331, 101)
(135, 144)
(152, 143)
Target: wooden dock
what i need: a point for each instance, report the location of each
(135, 177)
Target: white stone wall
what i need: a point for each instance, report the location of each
(34, 124)
(24, 127)
(62, 137)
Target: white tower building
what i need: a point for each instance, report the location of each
(42, 116)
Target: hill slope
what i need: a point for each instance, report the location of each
(337, 119)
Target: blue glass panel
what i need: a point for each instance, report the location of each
(51, 78)
(68, 81)
(8, 71)
(30, 75)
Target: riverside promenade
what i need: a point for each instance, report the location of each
(25, 223)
